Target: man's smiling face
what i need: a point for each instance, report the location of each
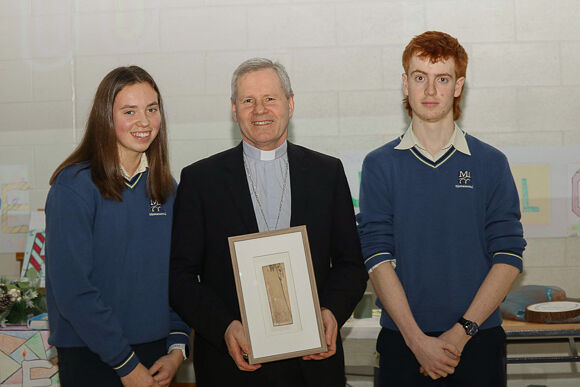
(262, 109)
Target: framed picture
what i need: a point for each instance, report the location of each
(277, 294)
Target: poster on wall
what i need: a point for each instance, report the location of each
(14, 208)
(533, 185)
(544, 177)
(547, 179)
(352, 162)
(26, 359)
(574, 214)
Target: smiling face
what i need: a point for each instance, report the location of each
(431, 89)
(262, 110)
(137, 119)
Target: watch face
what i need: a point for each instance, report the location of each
(471, 329)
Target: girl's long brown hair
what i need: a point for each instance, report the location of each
(99, 144)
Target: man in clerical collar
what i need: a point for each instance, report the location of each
(440, 231)
(265, 183)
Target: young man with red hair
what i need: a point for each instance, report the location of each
(441, 209)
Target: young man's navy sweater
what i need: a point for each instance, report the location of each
(107, 269)
(445, 223)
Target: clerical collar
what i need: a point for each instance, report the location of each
(257, 154)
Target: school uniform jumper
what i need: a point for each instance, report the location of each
(444, 223)
(107, 269)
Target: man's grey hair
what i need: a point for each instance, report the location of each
(255, 64)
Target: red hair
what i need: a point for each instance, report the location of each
(437, 46)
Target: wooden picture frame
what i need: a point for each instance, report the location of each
(277, 294)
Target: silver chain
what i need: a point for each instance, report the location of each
(255, 191)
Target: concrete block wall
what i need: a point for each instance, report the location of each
(343, 57)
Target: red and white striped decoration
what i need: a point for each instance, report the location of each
(37, 251)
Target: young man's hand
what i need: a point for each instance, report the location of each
(456, 336)
(436, 357)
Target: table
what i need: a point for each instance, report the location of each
(361, 328)
(526, 332)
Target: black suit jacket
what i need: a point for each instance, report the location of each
(213, 202)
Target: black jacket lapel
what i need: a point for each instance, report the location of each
(240, 192)
(299, 184)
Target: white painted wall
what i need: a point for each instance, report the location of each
(343, 57)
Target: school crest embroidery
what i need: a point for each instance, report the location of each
(464, 180)
(155, 208)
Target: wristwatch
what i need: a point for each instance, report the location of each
(471, 327)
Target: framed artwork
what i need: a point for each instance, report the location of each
(277, 294)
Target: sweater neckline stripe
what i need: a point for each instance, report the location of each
(430, 163)
(131, 184)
